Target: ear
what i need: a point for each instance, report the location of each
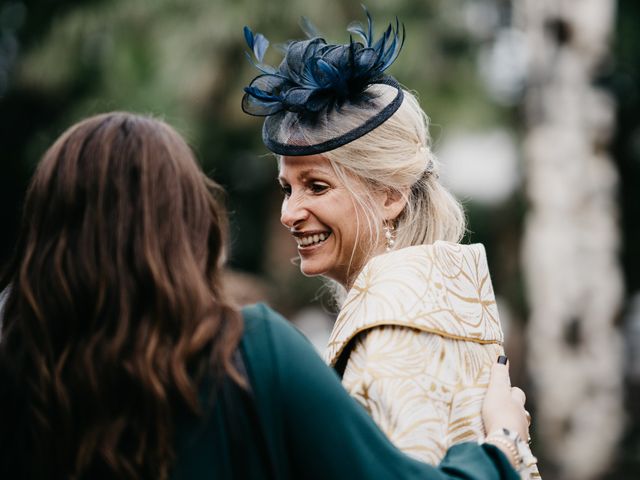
(394, 202)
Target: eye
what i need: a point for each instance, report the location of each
(286, 190)
(318, 187)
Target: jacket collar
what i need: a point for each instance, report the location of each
(443, 288)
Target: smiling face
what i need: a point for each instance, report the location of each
(325, 219)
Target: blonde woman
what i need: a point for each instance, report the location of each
(418, 330)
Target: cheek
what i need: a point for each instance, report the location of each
(361, 231)
(349, 232)
(347, 222)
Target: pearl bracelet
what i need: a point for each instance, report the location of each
(506, 439)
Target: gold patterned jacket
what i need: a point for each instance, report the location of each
(415, 341)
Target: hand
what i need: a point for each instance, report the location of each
(503, 405)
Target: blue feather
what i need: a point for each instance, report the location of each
(307, 76)
(316, 75)
(370, 24)
(261, 94)
(331, 74)
(260, 46)
(309, 28)
(248, 36)
(257, 43)
(261, 66)
(356, 29)
(396, 46)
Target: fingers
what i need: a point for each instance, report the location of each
(518, 395)
(503, 406)
(500, 375)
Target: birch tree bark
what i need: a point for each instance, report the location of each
(570, 249)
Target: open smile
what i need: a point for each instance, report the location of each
(306, 240)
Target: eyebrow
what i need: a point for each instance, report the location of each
(308, 172)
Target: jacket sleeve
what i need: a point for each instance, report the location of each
(328, 435)
(397, 374)
(424, 391)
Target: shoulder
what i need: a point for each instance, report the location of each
(438, 252)
(281, 358)
(408, 271)
(444, 288)
(261, 320)
(260, 316)
(269, 338)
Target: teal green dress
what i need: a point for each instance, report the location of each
(298, 422)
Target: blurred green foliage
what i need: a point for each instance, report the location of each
(185, 61)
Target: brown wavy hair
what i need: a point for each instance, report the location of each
(114, 309)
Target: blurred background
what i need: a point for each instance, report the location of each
(535, 110)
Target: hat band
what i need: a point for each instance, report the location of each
(350, 136)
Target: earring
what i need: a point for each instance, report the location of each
(390, 236)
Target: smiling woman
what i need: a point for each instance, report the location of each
(322, 214)
(419, 329)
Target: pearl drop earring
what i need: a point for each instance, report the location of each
(390, 236)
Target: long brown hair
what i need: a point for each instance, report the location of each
(115, 307)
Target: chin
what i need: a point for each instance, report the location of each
(311, 270)
(317, 270)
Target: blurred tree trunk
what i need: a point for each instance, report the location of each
(571, 243)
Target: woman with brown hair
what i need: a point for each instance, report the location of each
(121, 358)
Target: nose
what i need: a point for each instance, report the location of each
(293, 212)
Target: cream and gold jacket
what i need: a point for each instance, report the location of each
(415, 341)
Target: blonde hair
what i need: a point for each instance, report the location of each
(397, 156)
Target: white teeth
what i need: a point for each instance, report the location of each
(311, 239)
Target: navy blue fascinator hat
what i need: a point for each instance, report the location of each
(323, 96)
